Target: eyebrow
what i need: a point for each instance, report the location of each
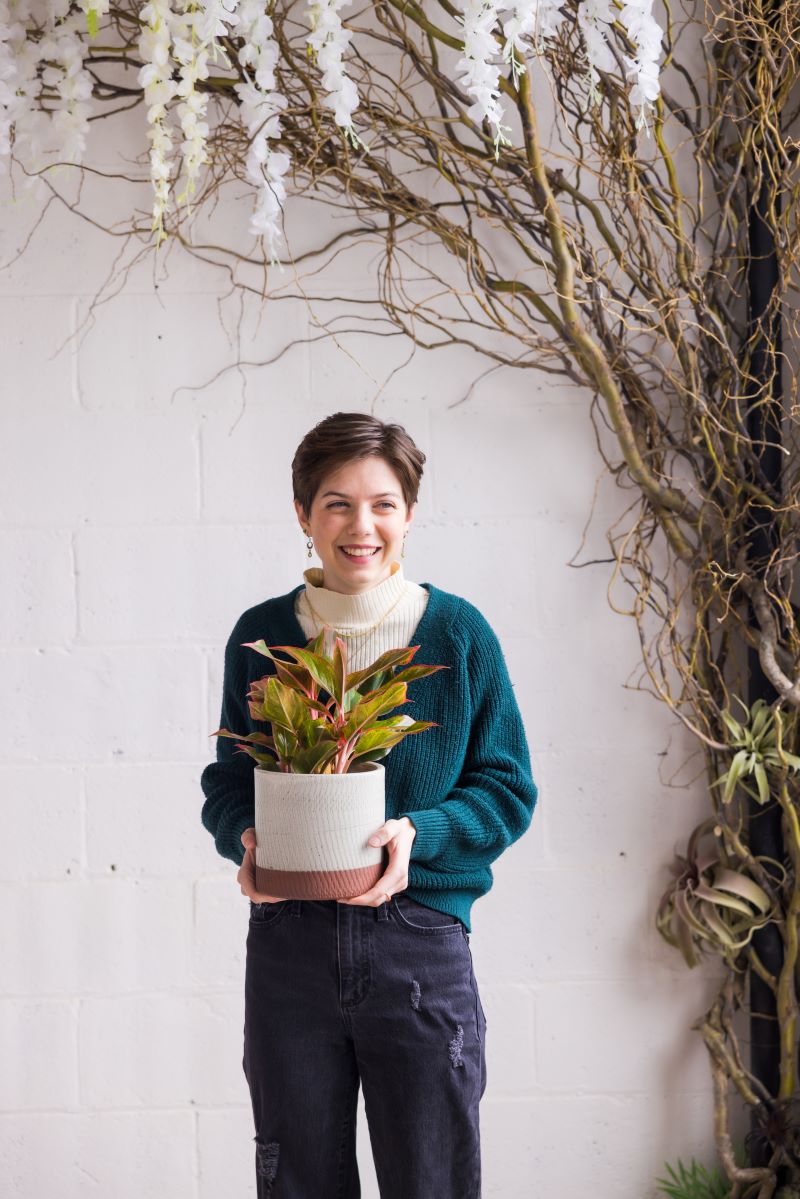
(375, 497)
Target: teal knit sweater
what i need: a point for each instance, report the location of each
(466, 785)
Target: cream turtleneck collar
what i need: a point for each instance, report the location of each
(337, 609)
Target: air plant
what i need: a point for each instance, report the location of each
(708, 905)
(758, 750)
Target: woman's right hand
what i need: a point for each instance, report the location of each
(247, 871)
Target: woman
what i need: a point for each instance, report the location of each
(379, 990)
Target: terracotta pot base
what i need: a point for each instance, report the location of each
(317, 884)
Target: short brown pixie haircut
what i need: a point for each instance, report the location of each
(346, 436)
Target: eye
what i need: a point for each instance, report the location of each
(382, 504)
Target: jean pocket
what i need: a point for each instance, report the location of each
(422, 919)
(267, 912)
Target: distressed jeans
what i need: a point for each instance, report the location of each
(339, 996)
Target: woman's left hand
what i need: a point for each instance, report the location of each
(397, 836)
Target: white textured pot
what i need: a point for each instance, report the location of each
(312, 832)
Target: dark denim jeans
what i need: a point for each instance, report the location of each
(340, 995)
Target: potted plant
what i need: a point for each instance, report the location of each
(319, 784)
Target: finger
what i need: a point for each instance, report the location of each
(377, 894)
(384, 833)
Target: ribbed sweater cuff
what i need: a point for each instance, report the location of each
(235, 830)
(433, 833)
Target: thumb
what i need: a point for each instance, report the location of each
(384, 834)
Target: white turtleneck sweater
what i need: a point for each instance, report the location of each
(402, 600)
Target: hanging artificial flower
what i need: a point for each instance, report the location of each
(95, 10)
(594, 18)
(70, 118)
(48, 71)
(645, 33)
(191, 55)
(45, 91)
(480, 75)
(19, 59)
(156, 79)
(261, 106)
(536, 19)
(327, 41)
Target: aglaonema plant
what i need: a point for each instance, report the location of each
(324, 718)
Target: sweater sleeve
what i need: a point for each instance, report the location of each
(493, 802)
(227, 783)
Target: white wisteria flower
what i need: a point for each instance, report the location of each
(46, 89)
(191, 55)
(95, 10)
(536, 20)
(19, 58)
(479, 73)
(48, 71)
(261, 106)
(594, 18)
(327, 40)
(63, 50)
(646, 34)
(194, 41)
(159, 88)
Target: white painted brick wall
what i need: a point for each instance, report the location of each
(141, 511)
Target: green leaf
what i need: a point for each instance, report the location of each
(339, 670)
(703, 891)
(318, 666)
(762, 717)
(736, 769)
(255, 738)
(314, 759)
(262, 759)
(416, 672)
(370, 709)
(260, 647)
(361, 679)
(731, 880)
(733, 725)
(377, 738)
(285, 743)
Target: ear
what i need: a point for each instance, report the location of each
(301, 516)
(410, 516)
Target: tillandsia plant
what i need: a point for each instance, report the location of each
(323, 718)
(720, 895)
(708, 906)
(758, 750)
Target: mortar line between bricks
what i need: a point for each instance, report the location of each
(196, 1170)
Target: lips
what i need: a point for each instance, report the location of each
(359, 557)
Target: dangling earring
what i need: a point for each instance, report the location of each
(309, 543)
(403, 550)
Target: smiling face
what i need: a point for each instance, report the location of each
(368, 509)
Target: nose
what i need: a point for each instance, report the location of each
(364, 524)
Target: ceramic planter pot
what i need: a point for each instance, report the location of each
(312, 832)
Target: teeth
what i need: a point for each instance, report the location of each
(360, 553)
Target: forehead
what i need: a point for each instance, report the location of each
(366, 476)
